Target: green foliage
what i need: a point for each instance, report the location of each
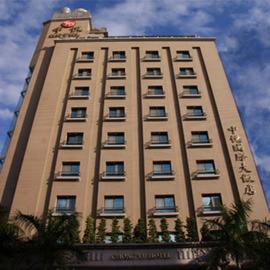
(101, 231)
(192, 233)
(115, 231)
(164, 230)
(140, 232)
(127, 237)
(152, 231)
(89, 232)
(179, 231)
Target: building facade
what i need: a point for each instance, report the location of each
(132, 127)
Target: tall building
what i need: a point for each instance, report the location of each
(127, 126)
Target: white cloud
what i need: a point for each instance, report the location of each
(6, 114)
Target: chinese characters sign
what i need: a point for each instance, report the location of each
(67, 29)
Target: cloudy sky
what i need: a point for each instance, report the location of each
(242, 29)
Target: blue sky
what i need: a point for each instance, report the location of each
(242, 29)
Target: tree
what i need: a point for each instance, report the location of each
(179, 231)
(101, 231)
(140, 232)
(152, 231)
(192, 233)
(115, 231)
(50, 240)
(127, 236)
(164, 230)
(89, 232)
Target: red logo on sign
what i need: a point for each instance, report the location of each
(68, 23)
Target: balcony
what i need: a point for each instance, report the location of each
(78, 144)
(116, 95)
(117, 75)
(159, 144)
(68, 176)
(64, 211)
(76, 118)
(157, 175)
(117, 175)
(153, 75)
(115, 117)
(112, 212)
(77, 96)
(201, 174)
(187, 75)
(157, 116)
(195, 116)
(190, 94)
(200, 143)
(155, 94)
(165, 211)
(151, 58)
(85, 58)
(82, 76)
(183, 58)
(114, 144)
(119, 58)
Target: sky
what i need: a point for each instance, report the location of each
(242, 29)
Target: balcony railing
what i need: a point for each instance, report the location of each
(187, 75)
(120, 94)
(195, 116)
(119, 75)
(118, 58)
(183, 58)
(162, 175)
(211, 209)
(85, 58)
(83, 75)
(114, 211)
(190, 94)
(159, 143)
(76, 117)
(64, 211)
(204, 174)
(68, 175)
(157, 116)
(121, 175)
(114, 144)
(115, 117)
(153, 75)
(155, 94)
(72, 144)
(166, 211)
(153, 57)
(200, 143)
(79, 96)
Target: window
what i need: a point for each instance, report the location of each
(86, 72)
(153, 72)
(159, 138)
(74, 138)
(165, 203)
(152, 55)
(116, 112)
(117, 91)
(65, 204)
(195, 111)
(206, 167)
(118, 72)
(119, 55)
(114, 204)
(115, 168)
(81, 91)
(78, 112)
(182, 55)
(157, 112)
(155, 90)
(211, 202)
(162, 168)
(116, 138)
(186, 72)
(200, 137)
(87, 55)
(70, 169)
(191, 90)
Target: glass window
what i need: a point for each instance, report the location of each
(152, 55)
(191, 90)
(159, 137)
(74, 138)
(155, 90)
(206, 166)
(115, 168)
(84, 72)
(183, 55)
(71, 168)
(162, 168)
(114, 204)
(195, 110)
(153, 71)
(119, 55)
(211, 202)
(186, 71)
(157, 111)
(116, 138)
(81, 91)
(118, 72)
(88, 55)
(165, 203)
(200, 137)
(65, 204)
(115, 112)
(78, 112)
(117, 90)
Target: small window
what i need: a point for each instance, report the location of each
(183, 55)
(162, 168)
(153, 72)
(114, 204)
(117, 90)
(81, 91)
(119, 55)
(206, 167)
(191, 90)
(70, 169)
(211, 202)
(165, 203)
(74, 138)
(116, 112)
(65, 204)
(200, 137)
(159, 138)
(87, 55)
(157, 112)
(115, 168)
(186, 72)
(155, 90)
(78, 112)
(195, 111)
(116, 138)
(152, 55)
(84, 72)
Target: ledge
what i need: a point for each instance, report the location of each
(113, 146)
(78, 97)
(78, 119)
(167, 214)
(112, 214)
(114, 119)
(157, 118)
(155, 96)
(163, 177)
(159, 145)
(186, 76)
(84, 60)
(178, 59)
(68, 178)
(71, 146)
(113, 177)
